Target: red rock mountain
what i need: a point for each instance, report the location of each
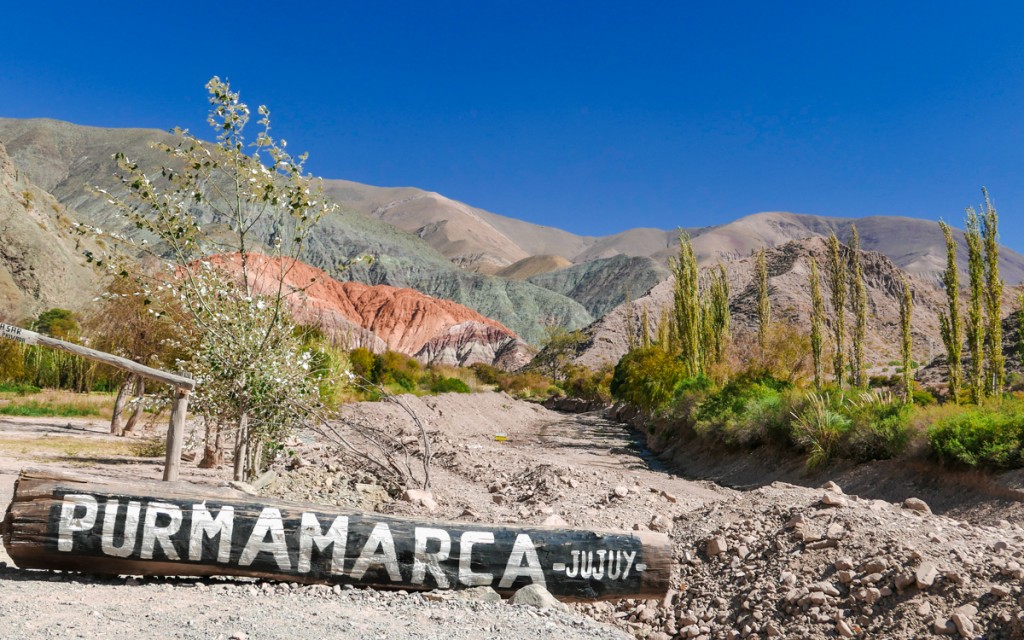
(403, 320)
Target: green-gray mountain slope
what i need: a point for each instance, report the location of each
(68, 160)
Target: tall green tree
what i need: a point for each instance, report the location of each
(817, 321)
(950, 323)
(906, 344)
(764, 305)
(686, 308)
(995, 373)
(837, 280)
(645, 328)
(975, 321)
(718, 312)
(629, 327)
(859, 302)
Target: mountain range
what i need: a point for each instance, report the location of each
(525, 276)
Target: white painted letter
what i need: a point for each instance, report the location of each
(131, 529)
(523, 548)
(466, 542)
(572, 573)
(311, 535)
(423, 561)
(599, 567)
(69, 523)
(151, 534)
(630, 557)
(203, 524)
(380, 538)
(269, 521)
(614, 574)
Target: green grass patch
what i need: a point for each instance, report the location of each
(34, 409)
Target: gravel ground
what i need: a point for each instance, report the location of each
(776, 560)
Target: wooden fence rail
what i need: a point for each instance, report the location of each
(70, 522)
(183, 386)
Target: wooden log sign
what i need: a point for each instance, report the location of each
(148, 528)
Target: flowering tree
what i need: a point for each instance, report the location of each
(251, 203)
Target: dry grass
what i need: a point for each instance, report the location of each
(49, 447)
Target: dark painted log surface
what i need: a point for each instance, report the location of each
(78, 523)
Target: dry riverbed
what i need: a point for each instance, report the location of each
(775, 561)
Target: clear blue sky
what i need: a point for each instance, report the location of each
(590, 116)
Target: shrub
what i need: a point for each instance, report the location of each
(19, 388)
(487, 374)
(361, 361)
(586, 384)
(989, 437)
(880, 427)
(746, 411)
(647, 377)
(449, 385)
(819, 428)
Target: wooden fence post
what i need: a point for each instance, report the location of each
(182, 385)
(176, 434)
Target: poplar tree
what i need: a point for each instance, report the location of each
(764, 307)
(949, 322)
(817, 320)
(859, 302)
(995, 373)
(837, 279)
(687, 308)
(719, 317)
(645, 328)
(627, 305)
(906, 308)
(975, 324)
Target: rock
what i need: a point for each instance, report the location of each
(660, 523)
(668, 496)
(916, 504)
(925, 609)
(773, 629)
(537, 596)
(876, 565)
(944, 626)
(716, 546)
(498, 498)
(844, 630)
(905, 579)
(964, 625)
(659, 635)
(238, 635)
(999, 591)
(265, 479)
(836, 531)
(555, 520)
(843, 563)
(832, 486)
(421, 498)
(620, 491)
(833, 500)
(244, 487)
(477, 594)
(925, 575)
